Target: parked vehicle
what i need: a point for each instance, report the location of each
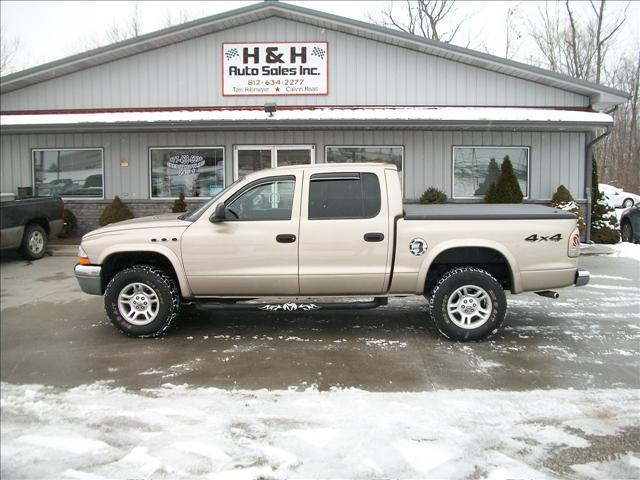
(27, 223)
(618, 196)
(630, 224)
(329, 230)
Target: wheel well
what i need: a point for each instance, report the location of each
(485, 258)
(117, 262)
(39, 221)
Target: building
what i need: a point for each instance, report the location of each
(193, 107)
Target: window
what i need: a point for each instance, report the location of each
(192, 171)
(68, 172)
(266, 199)
(251, 158)
(344, 195)
(351, 154)
(476, 168)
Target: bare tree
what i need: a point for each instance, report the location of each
(575, 46)
(131, 29)
(432, 19)
(182, 16)
(9, 48)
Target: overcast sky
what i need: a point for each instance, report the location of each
(51, 30)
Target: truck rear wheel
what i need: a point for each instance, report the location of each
(467, 304)
(34, 242)
(142, 301)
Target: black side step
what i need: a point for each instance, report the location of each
(290, 306)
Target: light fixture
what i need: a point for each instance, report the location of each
(270, 108)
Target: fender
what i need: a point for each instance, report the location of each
(160, 249)
(432, 254)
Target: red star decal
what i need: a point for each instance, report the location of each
(277, 89)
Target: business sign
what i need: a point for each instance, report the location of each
(276, 68)
(186, 164)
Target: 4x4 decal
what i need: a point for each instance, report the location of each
(543, 238)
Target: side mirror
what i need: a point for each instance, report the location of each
(219, 214)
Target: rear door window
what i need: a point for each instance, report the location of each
(343, 196)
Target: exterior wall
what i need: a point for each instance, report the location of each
(555, 158)
(361, 72)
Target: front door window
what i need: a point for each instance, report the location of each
(249, 159)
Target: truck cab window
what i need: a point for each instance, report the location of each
(344, 195)
(270, 199)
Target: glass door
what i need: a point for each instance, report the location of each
(251, 158)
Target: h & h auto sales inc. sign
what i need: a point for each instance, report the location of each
(276, 68)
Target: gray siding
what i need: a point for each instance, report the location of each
(556, 158)
(361, 72)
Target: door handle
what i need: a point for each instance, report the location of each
(373, 237)
(285, 238)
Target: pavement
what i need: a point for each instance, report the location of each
(53, 334)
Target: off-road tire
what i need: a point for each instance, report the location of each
(448, 285)
(161, 284)
(627, 231)
(34, 242)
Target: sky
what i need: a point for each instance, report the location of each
(50, 30)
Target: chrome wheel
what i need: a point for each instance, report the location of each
(138, 303)
(469, 307)
(36, 242)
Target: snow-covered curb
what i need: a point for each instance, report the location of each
(623, 249)
(96, 432)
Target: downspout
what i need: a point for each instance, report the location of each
(589, 173)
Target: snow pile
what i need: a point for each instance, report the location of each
(97, 432)
(628, 250)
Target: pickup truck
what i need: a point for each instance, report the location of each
(329, 230)
(27, 223)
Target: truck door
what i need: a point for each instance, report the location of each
(254, 251)
(344, 234)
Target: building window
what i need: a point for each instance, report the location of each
(68, 172)
(344, 195)
(476, 168)
(192, 171)
(374, 153)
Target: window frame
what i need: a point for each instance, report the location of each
(401, 147)
(259, 182)
(328, 176)
(274, 152)
(480, 197)
(201, 147)
(70, 197)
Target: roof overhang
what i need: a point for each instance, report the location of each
(288, 118)
(601, 97)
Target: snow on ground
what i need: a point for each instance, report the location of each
(97, 432)
(625, 249)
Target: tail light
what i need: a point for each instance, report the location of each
(573, 249)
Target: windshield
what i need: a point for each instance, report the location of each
(193, 215)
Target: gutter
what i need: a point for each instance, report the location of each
(589, 169)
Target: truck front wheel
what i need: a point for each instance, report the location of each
(142, 301)
(467, 304)
(34, 242)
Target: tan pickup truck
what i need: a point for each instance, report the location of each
(331, 230)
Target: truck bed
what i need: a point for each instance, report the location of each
(483, 211)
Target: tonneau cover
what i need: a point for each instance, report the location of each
(483, 211)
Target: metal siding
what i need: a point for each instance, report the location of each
(188, 74)
(555, 158)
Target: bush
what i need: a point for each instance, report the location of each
(70, 224)
(507, 188)
(563, 200)
(433, 195)
(116, 211)
(179, 205)
(604, 223)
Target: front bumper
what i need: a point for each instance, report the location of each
(89, 278)
(582, 277)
